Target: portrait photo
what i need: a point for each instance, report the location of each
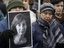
(20, 23)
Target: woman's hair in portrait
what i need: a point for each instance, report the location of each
(17, 20)
(19, 26)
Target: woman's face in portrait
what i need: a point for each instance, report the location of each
(21, 27)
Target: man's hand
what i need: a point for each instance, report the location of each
(5, 35)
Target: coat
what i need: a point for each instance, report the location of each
(3, 25)
(39, 27)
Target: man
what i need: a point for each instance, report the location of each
(14, 5)
(47, 32)
(58, 5)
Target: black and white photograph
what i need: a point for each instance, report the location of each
(20, 23)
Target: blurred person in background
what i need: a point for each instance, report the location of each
(58, 5)
(3, 11)
(28, 8)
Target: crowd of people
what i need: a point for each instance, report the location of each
(47, 24)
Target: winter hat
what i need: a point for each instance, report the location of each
(47, 6)
(14, 3)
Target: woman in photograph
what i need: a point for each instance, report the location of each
(19, 26)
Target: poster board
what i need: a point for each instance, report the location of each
(25, 41)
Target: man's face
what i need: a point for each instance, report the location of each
(46, 15)
(21, 27)
(17, 9)
(59, 7)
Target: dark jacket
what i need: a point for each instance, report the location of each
(39, 27)
(4, 41)
(62, 20)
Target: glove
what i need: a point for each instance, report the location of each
(4, 38)
(5, 35)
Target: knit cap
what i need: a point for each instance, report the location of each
(47, 6)
(14, 3)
